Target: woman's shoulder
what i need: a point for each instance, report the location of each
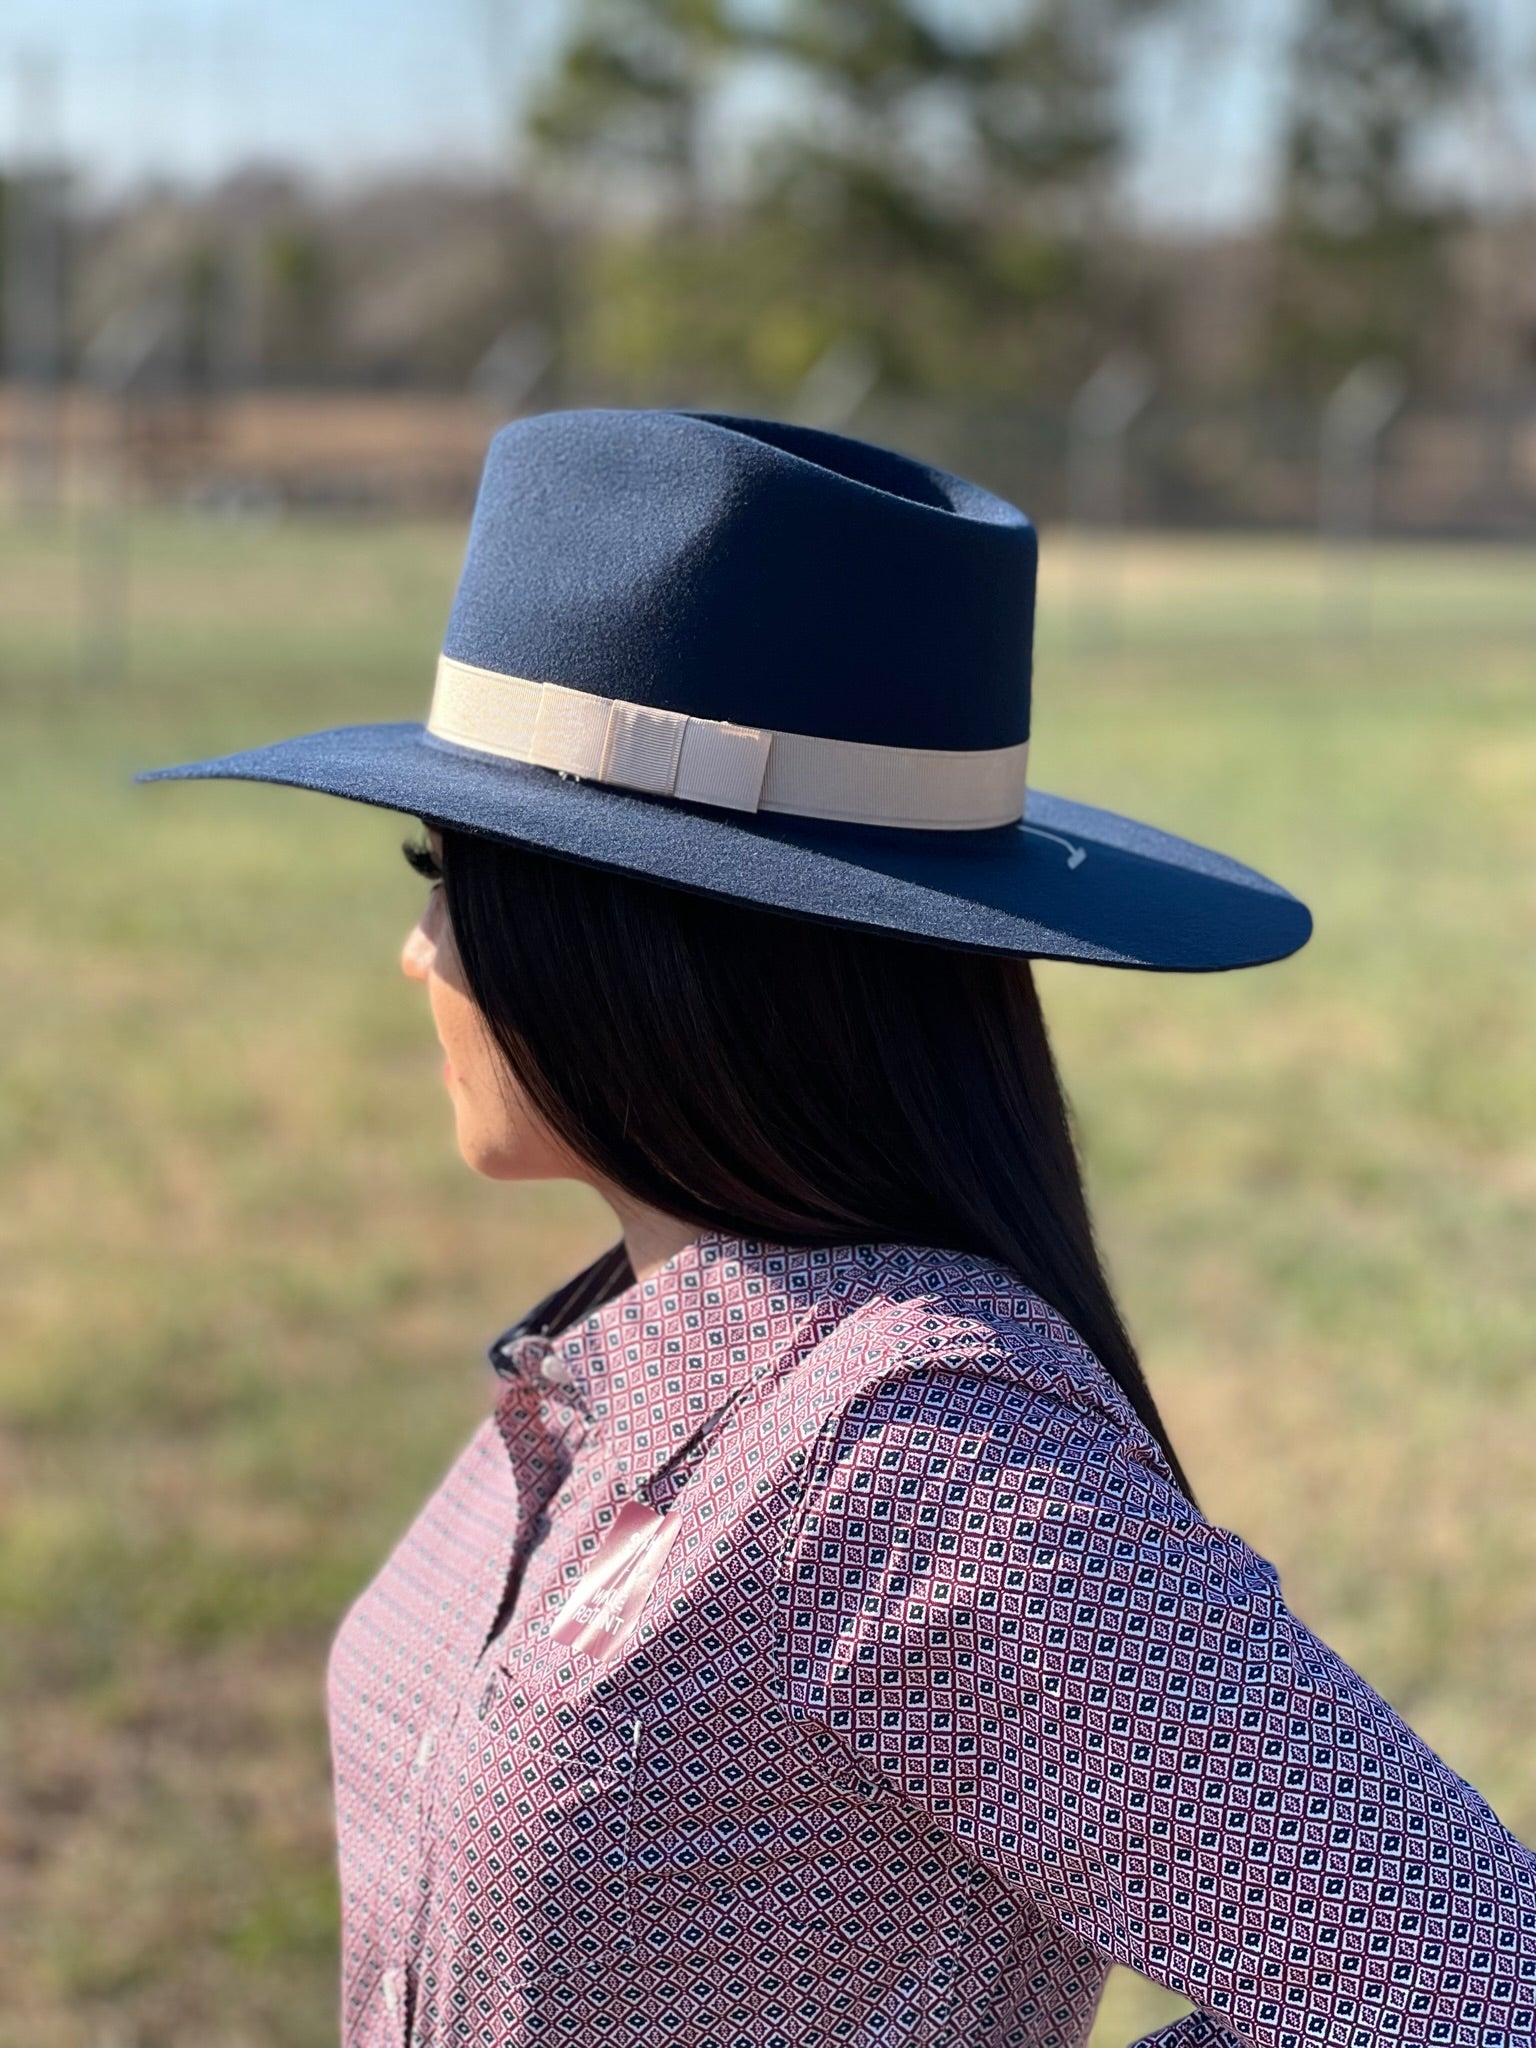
(938, 1338)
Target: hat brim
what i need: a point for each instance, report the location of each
(1070, 882)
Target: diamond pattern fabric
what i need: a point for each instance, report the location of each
(944, 1700)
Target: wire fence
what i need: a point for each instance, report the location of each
(1102, 478)
(1362, 463)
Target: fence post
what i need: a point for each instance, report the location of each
(837, 383)
(509, 371)
(1100, 417)
(32, 304)
(1357, 413)
(111, 365)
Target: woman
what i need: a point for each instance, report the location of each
(819, 1642)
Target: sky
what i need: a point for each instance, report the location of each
(346, 89)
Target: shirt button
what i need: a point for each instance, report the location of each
(426, 1749)
(557, 1372)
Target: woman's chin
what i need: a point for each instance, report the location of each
(489, 1163)
(501, 1147)
(492, 1161)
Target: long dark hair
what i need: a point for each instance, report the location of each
(778, 1078)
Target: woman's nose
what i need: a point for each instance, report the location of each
(417, 954)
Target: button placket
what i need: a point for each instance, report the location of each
(543, 1432)
(463, 1708)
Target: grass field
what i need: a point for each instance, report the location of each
(247, 1282)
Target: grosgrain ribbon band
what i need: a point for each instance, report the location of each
(709, 761)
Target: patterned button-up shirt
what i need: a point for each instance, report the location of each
(940, 1700)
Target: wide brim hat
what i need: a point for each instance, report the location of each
(782, 667)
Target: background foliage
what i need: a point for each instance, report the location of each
(711, 194)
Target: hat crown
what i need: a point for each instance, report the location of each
(751, 572)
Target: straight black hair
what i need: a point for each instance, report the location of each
(777, 1078)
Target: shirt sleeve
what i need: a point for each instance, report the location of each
(1004, 1606)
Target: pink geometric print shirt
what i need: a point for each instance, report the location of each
(937, 1699)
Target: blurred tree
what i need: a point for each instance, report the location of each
(1362, 238)
(300, 301)
(999, 101)
(921, 184)
(1366, 76)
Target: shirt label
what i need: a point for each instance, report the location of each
(604, 1604)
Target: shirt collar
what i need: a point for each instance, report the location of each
(650, 1361)
(564, 1306)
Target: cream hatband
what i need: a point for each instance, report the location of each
(707, 761)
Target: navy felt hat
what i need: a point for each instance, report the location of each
(782, 667)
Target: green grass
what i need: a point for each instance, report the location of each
(247, 1282)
